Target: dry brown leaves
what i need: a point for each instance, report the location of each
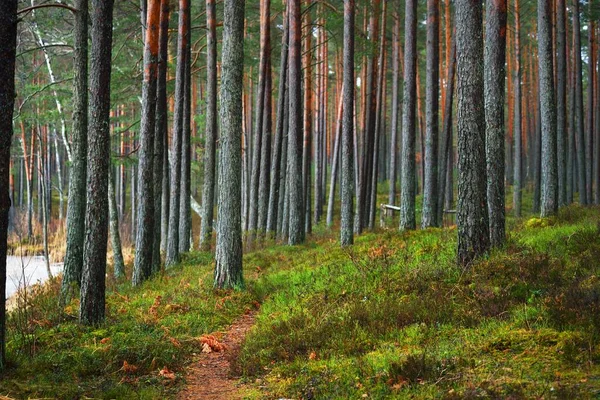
(210, 344)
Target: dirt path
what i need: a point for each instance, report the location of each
(209, 377)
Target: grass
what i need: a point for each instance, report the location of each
(391, 317)
(395, 318)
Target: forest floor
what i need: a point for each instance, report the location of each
(391, 317)
(209, 377)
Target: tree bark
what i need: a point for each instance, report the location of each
(395, 105)
(407, 189)
(228, 255)
(177, 137)
(561, 101)
(579, 127)
(76, 202)
(430, 184)
(347, 178)
(294, 168)
(160, 136)
(8, 46)
(549, 200)
(185, 219)
(142, 267)
(275, 187)
(517, 135)
(96, 227)
(115, 237)
(208, 190)
(472, 213)
(495, 75)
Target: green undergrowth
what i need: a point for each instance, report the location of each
(147, 329)
(391, 317)
(394, 317)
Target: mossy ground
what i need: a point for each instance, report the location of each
(391, 317)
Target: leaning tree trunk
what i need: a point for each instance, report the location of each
(208, 190)
(96, 227)
(472, 214)
(8, 46)
(347, 178)
(495, 75)
(142, 267)
(549, 203)
(407, 188)
(294, 167)
(76, 201)
(177, 135)
(430, 184)
(228, 255)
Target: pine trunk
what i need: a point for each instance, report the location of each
(228, 254)
(92, 309)
(472, 214)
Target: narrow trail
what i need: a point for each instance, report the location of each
(209, 377)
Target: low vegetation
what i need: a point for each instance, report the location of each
(392, 316)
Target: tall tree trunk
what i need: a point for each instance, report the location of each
(8, 46)
(579, 127)
(472, 215)
(336, 159)
(294, 168)
(185, 219)
(517, 135)
(495, 75)
(142, 267)
(446, 148)
(160, 136)
(561, 101)
(76, 202)
(115, 237)
(265, 6)
(430, 185)
(589, 142)
(347, 178)
(265, 156)
(549, 203)
(407, 189)
(177, 136)
(208, 190)
(395, 105)
(228, 255)
(307, 118)
(275, 188)
(369, 134)
(96, 227)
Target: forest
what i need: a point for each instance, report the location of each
(300, 199)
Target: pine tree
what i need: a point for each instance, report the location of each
(228, 255)
(96, 228)
(472, 214)
(495, 74)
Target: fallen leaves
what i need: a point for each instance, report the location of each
(128, 368)
(210, 344)
(154, 308)
(167, 374)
